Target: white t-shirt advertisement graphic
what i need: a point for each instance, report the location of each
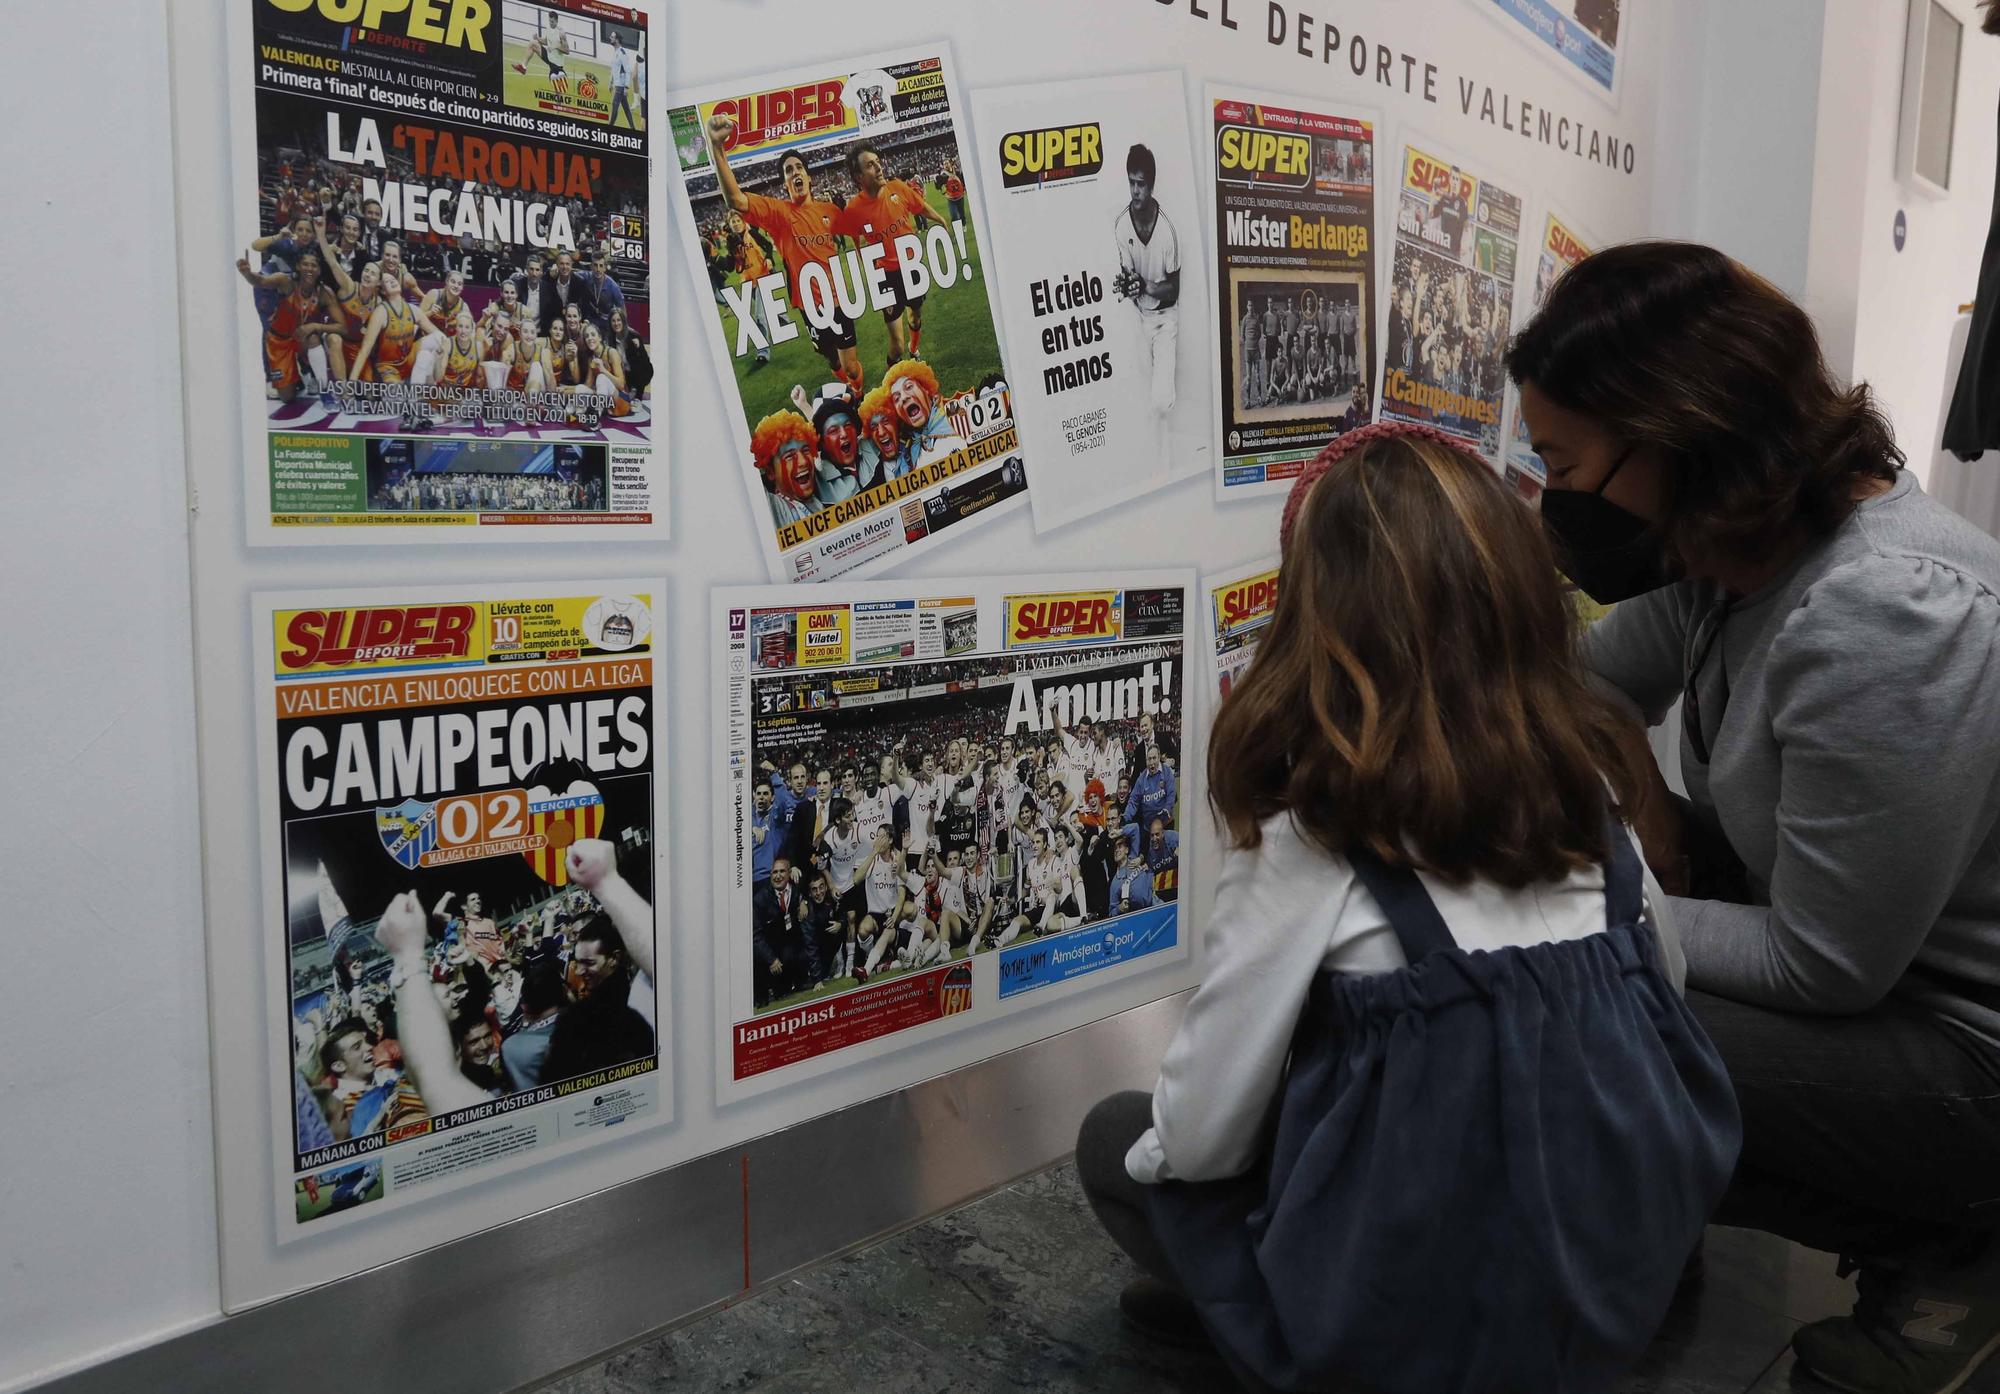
(1096, 245)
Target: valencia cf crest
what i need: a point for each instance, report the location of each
(561, 818)
(955, 992)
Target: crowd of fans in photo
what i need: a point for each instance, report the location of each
(871, 856)
(459, 1002)
(1448, 325)
(518, 493)
(957, 673)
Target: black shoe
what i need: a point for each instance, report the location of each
(1164, 1314)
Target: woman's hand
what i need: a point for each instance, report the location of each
(1661, 826)
(1657, 817)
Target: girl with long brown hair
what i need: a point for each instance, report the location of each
(1436, 1117)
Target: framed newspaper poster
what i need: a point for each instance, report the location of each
(1240, 604)
(1097, 238)
(446, 325)
(1563, 246)
(943, 802)
(828, 219)
(461, 807)
(1451, 299)
(1582, 37)
(1294, 186)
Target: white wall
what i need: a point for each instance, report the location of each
(107, 1215)
(1886, 317)
(1734, 166)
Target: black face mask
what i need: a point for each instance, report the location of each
(1610, 554)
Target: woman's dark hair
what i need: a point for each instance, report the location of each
(1418, 691)
(1676, 346)
(1990, 21)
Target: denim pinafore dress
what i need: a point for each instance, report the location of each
(1486, 1170)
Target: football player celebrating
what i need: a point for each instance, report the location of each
(882, 210)
(954, 191)
(806, 231)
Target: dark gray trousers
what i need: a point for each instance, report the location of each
(1876, 1135)
(1108, 1132)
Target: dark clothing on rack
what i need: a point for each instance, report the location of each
(1973, 425)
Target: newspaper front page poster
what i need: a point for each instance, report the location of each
(460, 807)
(1451, 301)
(943, 802)
(1295, 284)
(1580, 35)
(1096, 229)
(828, 217)
(1240, 606)
(445, 247)
(1562, 247)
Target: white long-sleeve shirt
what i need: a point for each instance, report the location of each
(1284, 911)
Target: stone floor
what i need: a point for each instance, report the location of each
(1017, 1292)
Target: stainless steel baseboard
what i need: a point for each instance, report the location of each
(551, 1291)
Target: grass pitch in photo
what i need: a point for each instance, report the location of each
(959, 341)
(557, 61)
(837, 408)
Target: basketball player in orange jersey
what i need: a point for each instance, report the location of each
(883, 210)
(568, 367)
(806, 231)
(307, 312)
(438, 311)
(511, 352)
(357, 302)
(393, 269)
(388, 344)
(458, 365)
(438, 326)
(606, 370)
